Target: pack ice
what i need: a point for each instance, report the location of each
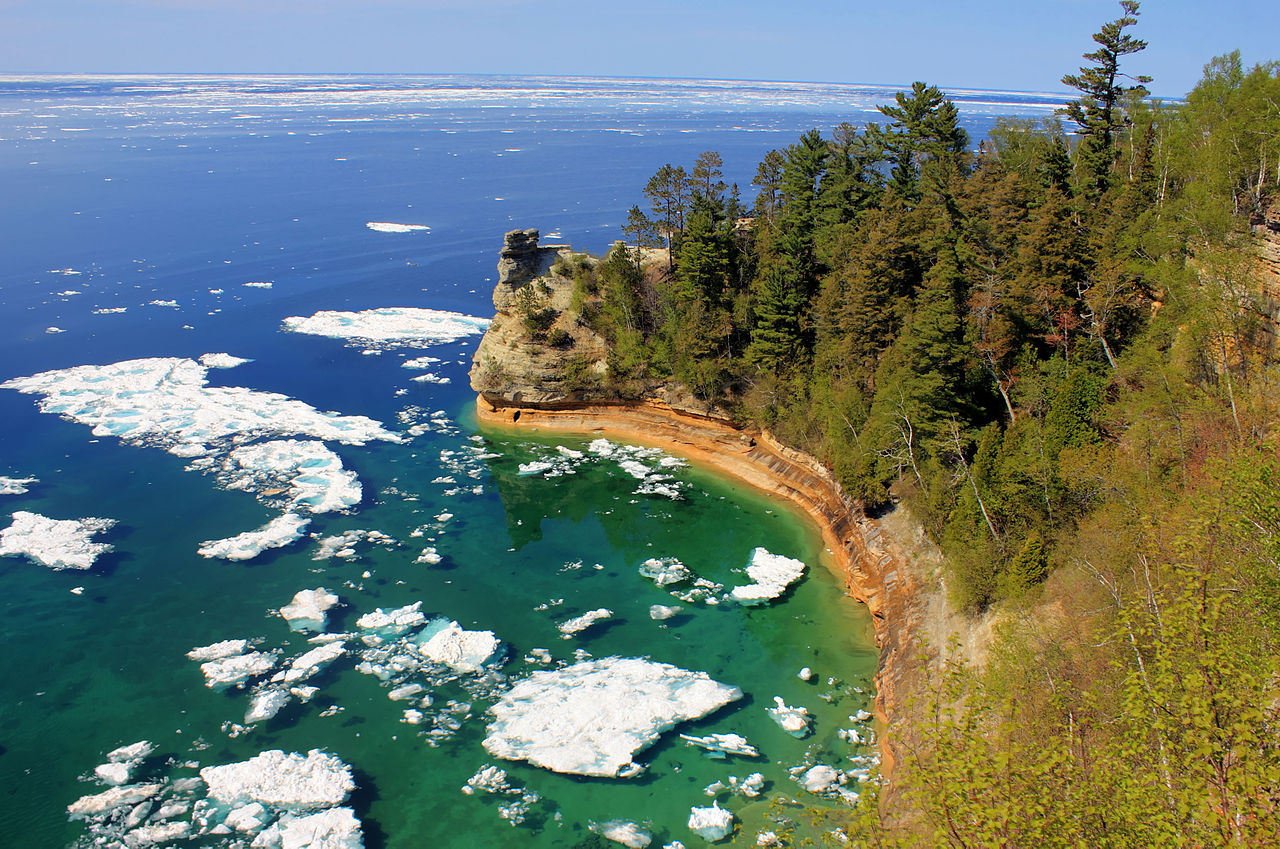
(591, 718)
(389, 326)
(56, 543)
(291, 782)
(236, 432)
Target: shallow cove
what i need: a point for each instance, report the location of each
(816, 625)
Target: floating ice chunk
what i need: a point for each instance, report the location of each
(250, 817)
(408, 326)
(219, 650)
(592, 717)
(408, 691)
(265, 704)
(861, 716)
(15, 486)
(805, 674)
(769, 839)
(56, 543)
(157, 834)
(581, 623)
(534, 467)
(422, 363)
(342, 546)
(429, 556)
(313, 661)
(222, 361)
(793, 720)
(109, 800)
(110, 310)
(393, 622)
(132, 753)
(390, 227)
(458, 649)
(488, 779)
(665, 571)
(772, 574)
(52, 330)
(821, 779)
(313, 474)
(309, 609)
(430, 377)
(287, 781)
(259, 284)
(662, 612)
(711, 824)
(233, 671)
(336, 828)
(630, 834)
(277, 533)
(114, 774)
(164, 401)
(723, 744)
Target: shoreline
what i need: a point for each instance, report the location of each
(871, 575)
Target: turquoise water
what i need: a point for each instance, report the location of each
(121, 193)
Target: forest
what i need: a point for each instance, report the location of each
(1056, 348)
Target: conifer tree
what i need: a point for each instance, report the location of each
(1099, 112)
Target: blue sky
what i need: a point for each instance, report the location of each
(1027, 45)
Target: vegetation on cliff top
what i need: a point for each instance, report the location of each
(1060, 350)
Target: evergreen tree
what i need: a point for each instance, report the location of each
(1099, 113)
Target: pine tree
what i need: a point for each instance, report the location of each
(1099, 112)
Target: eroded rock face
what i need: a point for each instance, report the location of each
(520, 261)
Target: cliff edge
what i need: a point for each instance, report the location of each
(539, 366)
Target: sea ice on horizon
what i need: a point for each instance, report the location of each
(593, 717)
(389, 227)
(56, 543)
(277, 533)
(389, 326)
(772, 574)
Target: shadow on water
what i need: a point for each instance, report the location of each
(362, 799)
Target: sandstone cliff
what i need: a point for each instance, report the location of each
(529, 376)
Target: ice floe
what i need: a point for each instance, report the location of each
(593, 717)
(793, 720)
(389, 326)
(15, 486)
(711, 824)
(723, 745)
(630, 834)
(665, 571)
(271, 801)
(222, 361)
(235, 670)
(311, 473)
(218, 650)
(164, 401)
(259, 284)
(649, 466)
(450, 645)
(491, 780)
(277, 533)
(663, 612)
(309, 609)
(772, 574)
(390, 227)
(343, 546)
(56, 543)
(578, 624)
(291, 782)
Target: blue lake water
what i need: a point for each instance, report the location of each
(163, 197)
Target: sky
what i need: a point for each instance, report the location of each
(1024, 45)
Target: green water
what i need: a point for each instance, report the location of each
(84, 674)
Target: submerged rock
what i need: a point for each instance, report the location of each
(593, 717)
